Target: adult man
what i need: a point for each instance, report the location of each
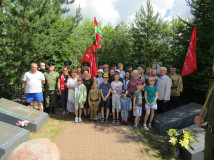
(42, 67)
(86, 65)
(51, 78)
(164, 89)
(209, 129)
(122, 72)
(100, 64)
(113, 66)
(34, 80)
(67, 64)
(177, 86)
(129, 67)
(41, 148)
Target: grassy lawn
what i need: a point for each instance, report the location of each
(52, 127)
(155, 145)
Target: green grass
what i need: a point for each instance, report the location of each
(155, 145)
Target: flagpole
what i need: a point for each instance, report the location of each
(96, 57)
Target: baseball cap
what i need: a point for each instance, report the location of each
(105, 76)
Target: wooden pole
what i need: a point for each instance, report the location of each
(205, 104)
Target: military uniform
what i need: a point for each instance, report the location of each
(176, 88)
(50, 89)
(209, 131)
(94, 98)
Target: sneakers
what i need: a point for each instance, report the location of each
(125, 123)
(118, 121)
(113, 121)
(76, 119)
(136, 126)
(145, 127)
(102, 120)
(122, 123)
(106, 120)
(150, 125)
(80, 119)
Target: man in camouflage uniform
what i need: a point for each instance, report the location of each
(177, 87)
(51, 78)
(208, 115)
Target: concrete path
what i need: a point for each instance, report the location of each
(99, 141)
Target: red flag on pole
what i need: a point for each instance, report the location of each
(190, 64)
(98, 34)
(93, 66)
(93, 47)
(87, 56)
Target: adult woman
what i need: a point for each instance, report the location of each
(141, 73)
(72, 81)
(88, 82)
(132, 83)
(105, 69)
(111, 75)
(148, 74)
(79, 73)
(63, 90)
(126, 80)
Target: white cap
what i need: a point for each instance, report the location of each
(100, 70)
(117, 70)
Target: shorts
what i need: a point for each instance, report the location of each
(115, 104)
(155, 106)
(125, 114)
(137, 112)
(30, 97)
(79, 105)
(105, 104)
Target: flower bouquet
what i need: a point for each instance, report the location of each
(22, 124)
(179, 140)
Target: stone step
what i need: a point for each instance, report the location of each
(195, 152)
(10, 137)
(177, 118)
(12, 112)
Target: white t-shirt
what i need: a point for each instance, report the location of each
(34, 81)
(116, 86)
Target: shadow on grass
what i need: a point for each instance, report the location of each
(154, 144)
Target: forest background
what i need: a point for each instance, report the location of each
(37, 30)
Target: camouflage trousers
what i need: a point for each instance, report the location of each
(209, 146)
(50, 99)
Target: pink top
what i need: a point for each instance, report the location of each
(132, 85)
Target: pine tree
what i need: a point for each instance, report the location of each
(29, 33)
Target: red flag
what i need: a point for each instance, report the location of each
(93, 47)
(98, 34)
(93, 66)
(190, 64)
(87, 56)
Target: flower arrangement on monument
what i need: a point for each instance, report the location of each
(22, 124)
(179, 140)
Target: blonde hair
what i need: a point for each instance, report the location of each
(79, 79)
(106, 65)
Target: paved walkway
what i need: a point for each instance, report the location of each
(99, 141)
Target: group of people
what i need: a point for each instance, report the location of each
(122, 93)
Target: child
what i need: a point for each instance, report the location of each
(116, 86)
(137, 103)
(100, 80)
(94, 99)
(100, 77)
(151, 96)
(79, 98)
(126, 80)
(105, 88)
(125, 107)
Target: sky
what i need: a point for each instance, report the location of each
(115, 11)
